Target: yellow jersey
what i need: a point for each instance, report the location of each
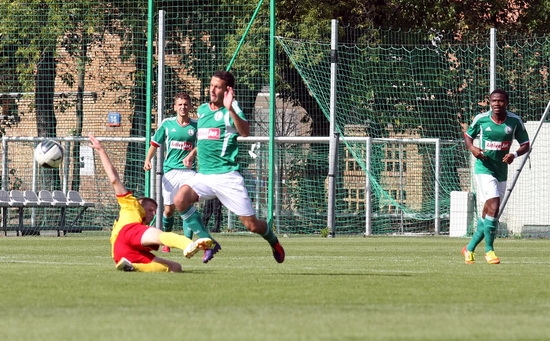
(131, 211)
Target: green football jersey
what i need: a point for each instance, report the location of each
(495, 141)
(179, 142)
(217, 147)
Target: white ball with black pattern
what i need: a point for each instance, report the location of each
(48, 154)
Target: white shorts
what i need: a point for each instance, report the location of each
(489, 187)
(172, 181)
(228, 187)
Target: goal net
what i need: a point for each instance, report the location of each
(396, 87)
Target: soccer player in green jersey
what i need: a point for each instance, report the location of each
(496, 128)
(179, 135)
(220, 122)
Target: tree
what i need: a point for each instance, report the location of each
(34, 39)
(9, 87)
(84, 27)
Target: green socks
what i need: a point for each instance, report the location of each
(490, 232)
(486, 228)
(187, 230)
(167, 223)
(270, 236)
(478, 235)
(192, 223)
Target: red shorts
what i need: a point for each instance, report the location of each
(128, 245)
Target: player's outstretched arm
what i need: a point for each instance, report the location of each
(111, 171)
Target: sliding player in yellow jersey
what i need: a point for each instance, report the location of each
(132, 240)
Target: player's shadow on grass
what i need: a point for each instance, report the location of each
(347, 274)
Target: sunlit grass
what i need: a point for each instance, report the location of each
(343, 288)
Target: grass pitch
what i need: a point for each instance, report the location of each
(345, 288)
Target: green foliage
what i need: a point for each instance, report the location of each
(204, 35)
(310, 21)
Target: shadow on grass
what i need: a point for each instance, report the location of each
(346, 274)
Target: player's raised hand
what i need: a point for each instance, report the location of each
(228, 97)
(95, 144)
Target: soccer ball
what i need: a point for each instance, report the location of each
(48, 154)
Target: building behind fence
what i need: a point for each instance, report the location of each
(400, 89)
